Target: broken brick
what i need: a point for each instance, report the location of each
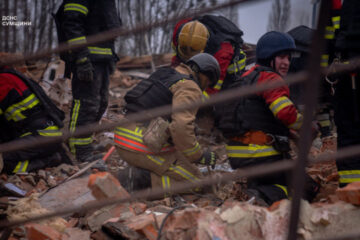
(104, 185)
(36, 231)
(350, 193)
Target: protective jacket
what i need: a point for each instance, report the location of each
(347, 90)
(224, 44)
(77, 19)
(26, 111)
(165, 86)
(270, 112)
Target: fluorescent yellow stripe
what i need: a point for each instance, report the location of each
(298, 123)
(336, 22)
(325, 123)
(102, 51)
(282, 188)
(329, 32)
(158, 160)
(21, 167)
(14, 111)
(77, 40)
(1, 112)
(75, 115)
(26, 134)
(184, 173)
(279, 104)
(76, 7)
(51, 131)
(219, 84)
(324, 60)
(80, 141)
(129, 134)
(193, 150)
(250, 151)
(349, 176)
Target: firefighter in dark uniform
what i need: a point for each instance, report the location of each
(174, 160)
(90, 66)
(257, 127)
(303, 36)
(347, 87)
(215, 35)
(26, 112)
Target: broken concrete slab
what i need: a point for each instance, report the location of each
(69, 194)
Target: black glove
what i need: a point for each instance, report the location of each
(84, 69)
(208, 158)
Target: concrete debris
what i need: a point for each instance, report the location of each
(221, 212)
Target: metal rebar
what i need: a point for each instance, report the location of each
(311, 92)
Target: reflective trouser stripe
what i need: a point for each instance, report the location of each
(192, 151)
(349, 176)
(336, 22)
(183, 173)
(324, 60)
(21, 167)
(73, 122)
(76, 7)
(101, 51)
(51, 131)
(282, 187)
(14, 111)
(279, 104)
(157, 160)
(74, 115)
(166, 185)
(205, 96)
(325, 123)
(250, 151)
(329, 32)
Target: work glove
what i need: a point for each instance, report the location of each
(208, 158)
(84, 69)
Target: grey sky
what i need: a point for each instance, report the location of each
(253, 18)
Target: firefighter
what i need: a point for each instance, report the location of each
(302, 36)
(215, 35)
(177, 147)
(346, 19)
(90, 66)
(25, 113)
(257, 127)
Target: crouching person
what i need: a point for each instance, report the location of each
(167, 148)
(25, 113)
(257, 127)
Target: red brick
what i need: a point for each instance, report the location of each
(36, 231)
(104, 185)
(350, 193)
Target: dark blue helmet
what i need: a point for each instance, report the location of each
(272, 43)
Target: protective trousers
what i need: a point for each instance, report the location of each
(166, 168)
(90, 99)
(347, 120)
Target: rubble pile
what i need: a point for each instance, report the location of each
(222, 212)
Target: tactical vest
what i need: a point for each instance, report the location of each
(248, 113)
(154, 91)
(50, 108)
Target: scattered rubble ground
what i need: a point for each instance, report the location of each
(224, 212)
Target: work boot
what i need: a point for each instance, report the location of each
(84, 153)
(255, 197)
(40, 163)
(134, 179)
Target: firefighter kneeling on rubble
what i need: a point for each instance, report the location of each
(257, 127)
(167, 147)
(25, 113)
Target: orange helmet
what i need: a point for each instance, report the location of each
(192, 39)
